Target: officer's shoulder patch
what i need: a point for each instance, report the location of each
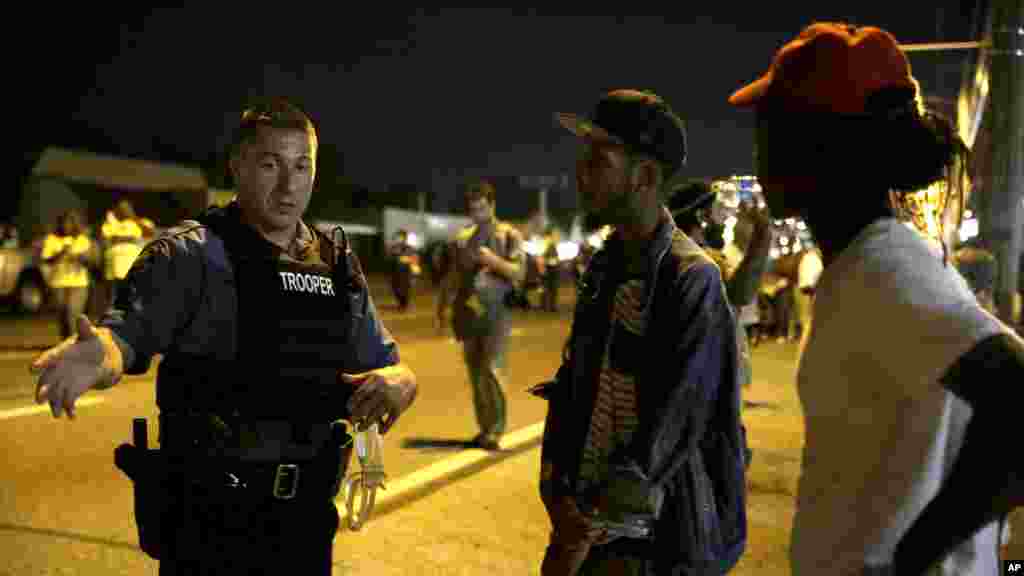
(183, 228)
(158, 247)
(155, 251)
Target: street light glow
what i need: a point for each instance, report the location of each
(534, 246)
(567, 250)
(968, 230)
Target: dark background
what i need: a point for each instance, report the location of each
(409, 101)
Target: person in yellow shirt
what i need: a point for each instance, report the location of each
(67, 251)
(123, 235)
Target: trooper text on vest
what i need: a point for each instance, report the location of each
(293, 282)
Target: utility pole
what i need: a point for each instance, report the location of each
(1001, 206)
(1002, 218)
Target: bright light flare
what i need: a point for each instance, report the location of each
(568, 250)
(534, 246)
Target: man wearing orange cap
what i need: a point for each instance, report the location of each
(642, 465)
(892, 415)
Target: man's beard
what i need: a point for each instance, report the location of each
(619, 209)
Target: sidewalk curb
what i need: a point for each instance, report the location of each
(425, 481)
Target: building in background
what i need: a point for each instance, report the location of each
(65, 179)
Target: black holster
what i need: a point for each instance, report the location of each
(160, 485)
(150, 476)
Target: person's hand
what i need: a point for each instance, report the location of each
(760, 217)
(570, 525)
(573, 534)
(381, 396)
(90, 359)
(61, 254)
(602, 504)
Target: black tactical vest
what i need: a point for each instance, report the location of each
(292, 331)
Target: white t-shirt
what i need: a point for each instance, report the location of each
(67, 272)
(881, 432)
(120, 255)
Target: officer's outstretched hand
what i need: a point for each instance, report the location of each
(90, 359)
(381, 396)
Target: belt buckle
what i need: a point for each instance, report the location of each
(286, 481)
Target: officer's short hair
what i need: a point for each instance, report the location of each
(271, 113)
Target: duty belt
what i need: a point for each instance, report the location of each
(306, 459)
(251, 440)
(280, 481)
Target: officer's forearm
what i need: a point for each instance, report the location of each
(411, 387)
(117, 354)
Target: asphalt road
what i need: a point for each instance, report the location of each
(65, 509)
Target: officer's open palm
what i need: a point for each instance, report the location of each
(71, 368)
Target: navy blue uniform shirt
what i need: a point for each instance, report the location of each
(180, 297)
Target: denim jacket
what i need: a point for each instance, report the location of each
(687, 386)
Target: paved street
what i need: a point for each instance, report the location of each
(493, 522)
(65, 509)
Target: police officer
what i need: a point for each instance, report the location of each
(269, 337)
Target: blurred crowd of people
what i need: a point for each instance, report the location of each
(83, 270)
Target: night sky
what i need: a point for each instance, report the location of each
(410, 98)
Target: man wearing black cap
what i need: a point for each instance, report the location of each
(646, 401)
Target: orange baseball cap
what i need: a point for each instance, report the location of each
(830, 67)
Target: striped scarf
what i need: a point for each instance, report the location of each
(614, 419)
